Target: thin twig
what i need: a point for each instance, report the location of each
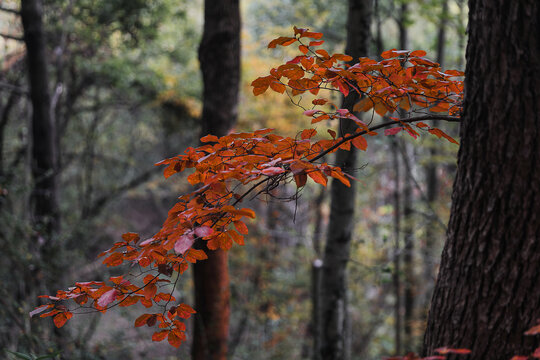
(12, 37)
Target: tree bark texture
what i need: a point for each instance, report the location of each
(44, 196)
(219, 55)
(487, 293)
(341, 224)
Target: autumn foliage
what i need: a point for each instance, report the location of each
(227, 170)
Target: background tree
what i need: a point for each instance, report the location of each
(219, 54)
(334, 303)
(486, 295)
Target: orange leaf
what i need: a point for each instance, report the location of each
(128, 301)
(304, 49)
(174, 339)
(308, 133)
(282, 40)
(259, 90)
(141, 320)
(197, 254)
(313, 35)
(241, 227)
(129, 237)
(533, 331)
(237, 238)
(439, 133)
(418, 53)
(447, 350)
(363, 105)
(60, 319)
(360, 143)
(160, 335)
(300, 179)
(277, 87)
(149, 291)
(318, 177)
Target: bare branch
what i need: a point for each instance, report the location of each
(9, 10)
(13, 88)
(12, 37)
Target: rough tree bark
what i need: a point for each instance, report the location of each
(44, 196)
(219, 55)
(336, 253)
(487, 292)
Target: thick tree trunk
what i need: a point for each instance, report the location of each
(336, 254)
(44, 196)
(487, 292)
(219, 55)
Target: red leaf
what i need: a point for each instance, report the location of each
(392, 131)
(40, 309)
(311, 112)
(141, 320)
(107, 298)
(204, 231)
(272, 170)
(183, 243)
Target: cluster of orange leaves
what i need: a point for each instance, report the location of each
(226, 170)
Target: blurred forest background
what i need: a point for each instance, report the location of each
(126, 92)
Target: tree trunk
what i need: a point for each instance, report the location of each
(336, 253)
(396, 281)
(487, 292)
(432, 183)
(219, 55)
(44, 195)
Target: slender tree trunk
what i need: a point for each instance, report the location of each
(432, 181)
(487, 291)
(44, 197)
(336, 253)
(402, 201)
(396, 281)
(219, 55)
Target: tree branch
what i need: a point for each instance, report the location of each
(386, 124)
(11, 11)
(12, 37)
(13, 88)
(100, 203)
